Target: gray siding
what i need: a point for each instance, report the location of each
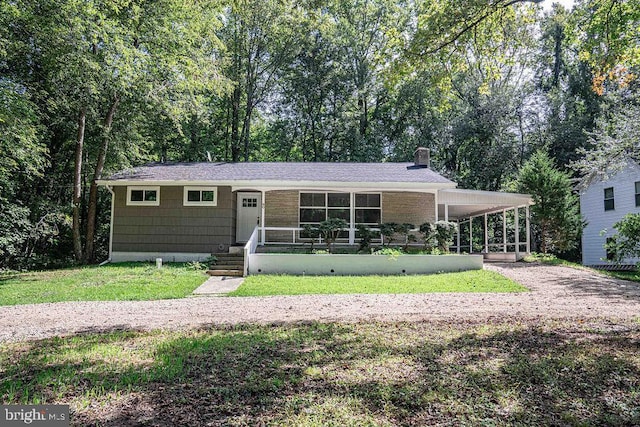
(592, 208)
(172, 227)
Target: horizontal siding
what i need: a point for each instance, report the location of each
(592, 208)
(172, 227)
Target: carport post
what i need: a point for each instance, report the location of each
(504, 230)
(486, 234)
(517, 226)
(470, 234)
(528, 226)
(458, 235)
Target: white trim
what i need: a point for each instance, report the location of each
(143, 188)
(185, 194)
(121, 256)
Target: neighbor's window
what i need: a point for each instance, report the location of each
(609, 204)
(143, 196)
(637, 193)
(200, 196)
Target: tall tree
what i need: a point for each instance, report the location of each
(555, 212)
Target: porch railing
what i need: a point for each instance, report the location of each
(250, 248)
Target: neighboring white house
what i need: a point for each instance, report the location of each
(604, 203)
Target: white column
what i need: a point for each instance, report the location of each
(458, 236)
(504, 230)
(352, 220)
(528, 227)
(446, 212)
(486, 234)
(517, 227)
(470, 234)
(263, 232)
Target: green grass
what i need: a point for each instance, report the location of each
(112, 282)
(361, 374)
(633, 276)
(467, 281)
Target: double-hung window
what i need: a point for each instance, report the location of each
(318, 207)
(637, 193)
(609, 203)
(143, 196)
(200, 196)
(368, 209)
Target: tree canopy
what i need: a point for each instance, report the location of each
(90, 87)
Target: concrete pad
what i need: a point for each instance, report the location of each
(219, 285)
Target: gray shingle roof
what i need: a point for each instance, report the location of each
(281, 171)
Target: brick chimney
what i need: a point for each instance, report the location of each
(421, 156)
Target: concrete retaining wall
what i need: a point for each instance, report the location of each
(344, 265)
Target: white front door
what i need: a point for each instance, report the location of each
(248, 215)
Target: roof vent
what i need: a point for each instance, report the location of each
(421, 156)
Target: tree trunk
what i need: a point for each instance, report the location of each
(77, 185)
(93, 191)
(235, 125)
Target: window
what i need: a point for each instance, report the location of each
(318, 207)
(368, 209)
(609, 204)
(200, 196)
(637, 193)
(143, 196)
(249, 202)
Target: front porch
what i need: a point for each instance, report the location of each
(496, 224)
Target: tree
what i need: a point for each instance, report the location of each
(626, 242)
(614, 143)
(555, 209)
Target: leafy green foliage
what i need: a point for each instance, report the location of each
(388, 231)
(366, 236)
(330, 230)
(428, 232)
(444, 232)
(626, 242)
(555, 209)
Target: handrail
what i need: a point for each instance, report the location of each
(250, 248)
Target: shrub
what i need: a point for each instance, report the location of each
(444, 231)
(388, 230)
(312, 232)
(428, 232)
(366, 236)
(330, 230)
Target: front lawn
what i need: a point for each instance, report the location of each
(362, 374)
(112, 282)
(467, 281)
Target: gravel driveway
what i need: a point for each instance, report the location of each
(556, 293)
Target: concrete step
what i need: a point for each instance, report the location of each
(235, 273)
(227, 266)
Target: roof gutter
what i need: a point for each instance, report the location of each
(273, 184)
